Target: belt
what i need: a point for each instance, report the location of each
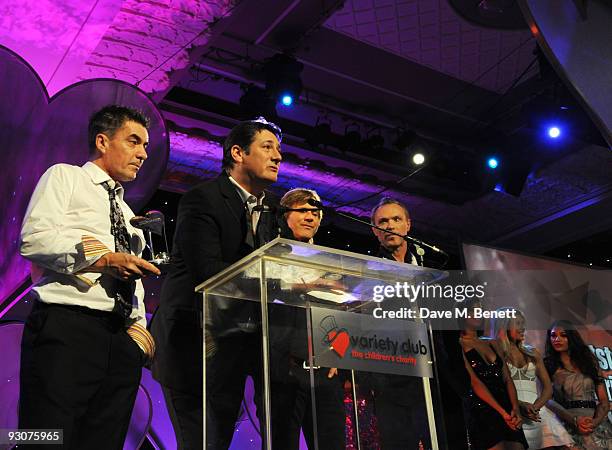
(109, 317)
(575, 404)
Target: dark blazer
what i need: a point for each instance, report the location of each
(209, 237)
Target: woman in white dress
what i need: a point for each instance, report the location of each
(541, 426)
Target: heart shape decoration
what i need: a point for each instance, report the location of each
(37, 131)
(339, 341)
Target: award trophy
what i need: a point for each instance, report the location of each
(153, 222)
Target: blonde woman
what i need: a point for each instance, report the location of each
(541, 426)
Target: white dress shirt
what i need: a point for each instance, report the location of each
(69, 210)
(250, 201)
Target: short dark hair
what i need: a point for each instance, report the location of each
(388, 201)
(243, 136)
(109, 119)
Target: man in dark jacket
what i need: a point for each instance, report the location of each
(290, 376)
(219, 222)
(398, 401)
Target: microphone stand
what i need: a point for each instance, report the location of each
(417, 242)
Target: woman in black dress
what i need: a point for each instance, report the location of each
(494, 418)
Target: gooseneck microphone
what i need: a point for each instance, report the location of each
(267, 209)
(277, 209)
(417, 242)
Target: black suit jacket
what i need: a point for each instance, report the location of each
(209, 237)
(449, 359)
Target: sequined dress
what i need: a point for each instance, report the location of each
(486, 426)
(572, 388)
(550, 431)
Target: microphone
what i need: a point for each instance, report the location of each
(417, 242)
(283, 209)
(317, 204)
(273, 209)
(265, 209)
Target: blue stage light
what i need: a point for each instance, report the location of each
(554, 132)
(492, 163)
(286, 99)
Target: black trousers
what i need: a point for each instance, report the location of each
(185, 410)
(80, 372)
(329, 414)
(237, 356)
(399, 405)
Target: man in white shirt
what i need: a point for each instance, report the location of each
(85, 341)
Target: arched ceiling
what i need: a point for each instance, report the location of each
(380, 64)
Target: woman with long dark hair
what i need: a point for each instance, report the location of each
(541, 427)
(494, 417)
(580, 398)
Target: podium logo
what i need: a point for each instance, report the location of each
(338, 339)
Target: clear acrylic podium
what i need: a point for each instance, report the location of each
(310, 308)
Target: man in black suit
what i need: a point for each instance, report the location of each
(292, 401)
(398, 401)
(218, 224)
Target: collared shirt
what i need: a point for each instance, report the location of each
(249, 200)
(66, 229)
(387, 254)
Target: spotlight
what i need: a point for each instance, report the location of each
(554, 132)
(256, 102)
(321, 133)
(287, 99)
(514, 174)
(418, 159)
(404, 139)
(374, 143)
(283, 81)
(492, 163)
(351, 139)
